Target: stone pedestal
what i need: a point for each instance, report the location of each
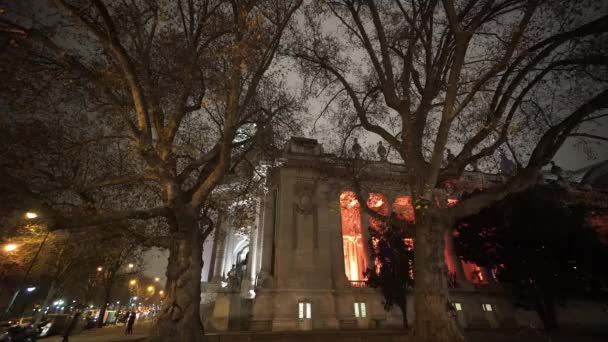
(226, 306)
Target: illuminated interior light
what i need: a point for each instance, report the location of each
(354, 254)
(404, 208)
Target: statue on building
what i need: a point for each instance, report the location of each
(507, 167)
(356, 149)
(382, 153)
(475, 166)
(232, 278)
(556, 170)
(450, 156)
(241, 270)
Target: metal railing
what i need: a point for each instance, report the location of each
(358, 283)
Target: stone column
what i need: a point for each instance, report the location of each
(213, 255)
(266, 237)
(219, 246)
(254, 240)
(337, 249)
(366, 236)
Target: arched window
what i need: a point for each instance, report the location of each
(355, 260)
(379, 204)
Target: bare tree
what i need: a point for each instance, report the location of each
(470, 75)
(161, 99)
(119, 257)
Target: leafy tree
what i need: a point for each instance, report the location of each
(151, 104)
(118, 258)
(393, 253)
(472, 76)
(539, 244)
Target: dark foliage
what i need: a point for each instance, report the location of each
(394, 256)
(540, 244)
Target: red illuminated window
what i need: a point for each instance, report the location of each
(378, 203)
(404, 209)
(355, 260)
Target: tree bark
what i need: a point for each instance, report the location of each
(403, 307)
(545, 308)
(434, 321)
(179, 319)
(104, 306)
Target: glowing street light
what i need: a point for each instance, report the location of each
(99, 269)
(31, 289)
(31, 215)
(157, 279)
(150, 288)
(161, 292)
(11, 247)
(131, 265)
(133, 281)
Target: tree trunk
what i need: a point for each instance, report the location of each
(545, 308)
(104, 306)
(49, 297)
(179, 319)
(435, 320)
(403, 307)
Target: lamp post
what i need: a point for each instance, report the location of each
(130, 300)
(27, 273)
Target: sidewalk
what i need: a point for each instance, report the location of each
(108, 334)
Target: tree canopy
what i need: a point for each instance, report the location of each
(540, 244)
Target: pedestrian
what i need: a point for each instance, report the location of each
(70, 328)
(130, 323)
(126, 320)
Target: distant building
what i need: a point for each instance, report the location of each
(299, 264)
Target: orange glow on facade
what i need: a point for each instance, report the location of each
(473, 273)
(446, 255)
(410, 243)
(355, 260)
(404, 209)
(378, 203)
(599, 222)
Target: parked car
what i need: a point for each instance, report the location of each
(12, 332)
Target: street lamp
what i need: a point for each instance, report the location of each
(11, 247)
(161, 292)
(157, 279)
(132, 282)
(150, 288)
(131, 265)
(131, 301)
(31, 215)
(99, 269)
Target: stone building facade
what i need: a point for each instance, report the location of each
(300, 265)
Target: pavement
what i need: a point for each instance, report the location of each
(141, 330)
(108, 334)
